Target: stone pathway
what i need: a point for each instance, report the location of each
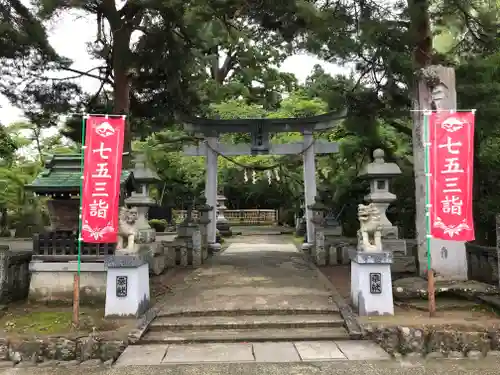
(265, 273)
(275, 352)
(257, 301)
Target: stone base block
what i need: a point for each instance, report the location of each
(333, 231)
(224, 229)
(318, 256)
(145, 235)
(154, 254)
(332, 255)
(390, 232)
(53, 282)
(404, 265)
(371, 283)
(214, 247)
(157, 264)
(186, 230)
(397, 247)
(127, 286)
(345, 250)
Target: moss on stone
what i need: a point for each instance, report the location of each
(50, 321)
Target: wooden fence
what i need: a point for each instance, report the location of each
(62, 246)
(243, 217)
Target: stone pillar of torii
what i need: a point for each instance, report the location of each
(260, 130)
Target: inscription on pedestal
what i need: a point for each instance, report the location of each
(121, 286)
(376, 283)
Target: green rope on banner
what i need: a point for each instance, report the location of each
(84, 118)
(427, 191)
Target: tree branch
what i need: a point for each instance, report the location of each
(86, 73)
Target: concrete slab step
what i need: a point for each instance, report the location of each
(262, 311)
(184, 323)
(244, 335)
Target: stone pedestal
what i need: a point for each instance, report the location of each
(204, 220)
(127, 285)
(197, 248)
(371, 283)
(222, 223)
(300, 227)
(186, 229)
(318, 251)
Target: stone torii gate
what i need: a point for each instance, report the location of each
(260, 130)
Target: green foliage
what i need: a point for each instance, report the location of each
(221, 59)
(158, 225)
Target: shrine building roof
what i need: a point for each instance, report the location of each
(61, 176)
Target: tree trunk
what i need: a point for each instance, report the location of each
(121, 72)
(422, 42)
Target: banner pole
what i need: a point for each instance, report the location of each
(430, 272)
(76, 280)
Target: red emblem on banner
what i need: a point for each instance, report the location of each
(451, 138)
(101, 178)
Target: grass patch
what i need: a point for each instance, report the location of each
(43, 320)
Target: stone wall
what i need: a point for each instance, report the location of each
(14, 274)
(482, 263)
(434, 342)
(51, 350)
(17, 243)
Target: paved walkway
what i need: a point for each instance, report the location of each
(265, 273)
(257, 301)
(275, 352)
(487, 366)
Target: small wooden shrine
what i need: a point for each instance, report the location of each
(60, 180)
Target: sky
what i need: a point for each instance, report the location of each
(69, 35)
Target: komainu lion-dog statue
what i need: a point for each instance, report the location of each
(127, 228)
(369, 234)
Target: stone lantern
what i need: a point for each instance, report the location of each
(331, 223)
(318, 253)
(222, 223)
(141, 200)
(379, 173)
(319, 209)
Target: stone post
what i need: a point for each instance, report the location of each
(318, 252)
(435, 90)
(309, 185)
(203, 220)
(197, 247)
(211, 190)
(498, 246)
(300, 225)
(186, 232)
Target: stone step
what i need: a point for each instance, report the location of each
(184, 323)
(244, 335)
(264, 311)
